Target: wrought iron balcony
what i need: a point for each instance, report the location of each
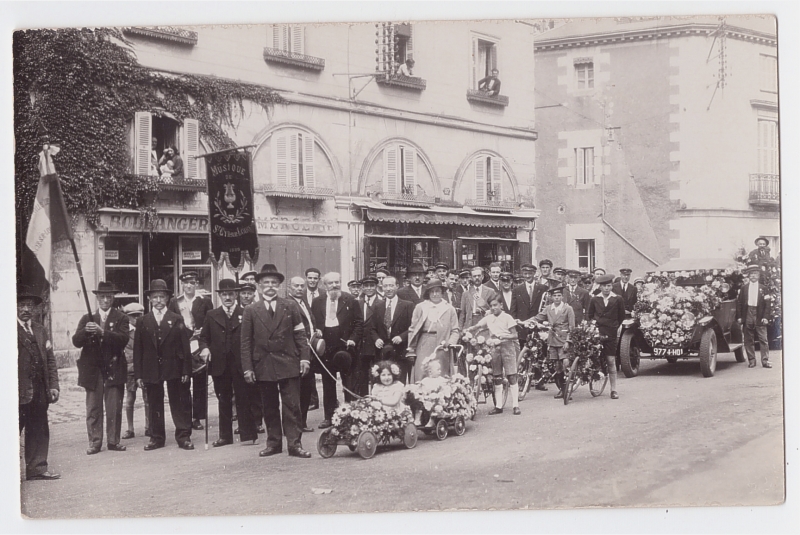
(297, 192)
(398, 80)
(406, 199)
(492, 205)
(476, 95)
(167, 33)
(765, 190)
(276, 55)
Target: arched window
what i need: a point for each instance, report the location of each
(293, 159)
(400, 169)
(487, 172)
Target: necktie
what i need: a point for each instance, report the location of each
(387, 318)
(158, 317)
(331, 309)
(229, 312)
(28, 328)
(271, 308)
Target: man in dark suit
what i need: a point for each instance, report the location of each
(752, 313)
(313, 290)
(221, 347)
(389, 328)
(761, 254)
(368, 300)
(626, 290)
(102, 368)
(490, 84)
(161, 353)
(576, 296)
(275, 354)
(475, 301)
(38, 385)
(297, 292)
(528, 297)
(338, 320)
(453, 290)
(508, 299)
(494, 276)
(193, 308)
(248, 294)
(413, 292)
(608, 311)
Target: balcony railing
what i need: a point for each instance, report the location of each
(406, 199)
(476, 95)
(167, 33)
(491, 205)
(765, 190)
(297, 192)
(398, 80)
(182, 184)
(276, 55)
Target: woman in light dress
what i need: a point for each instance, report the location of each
(434, 322)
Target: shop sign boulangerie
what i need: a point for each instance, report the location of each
(232, 227)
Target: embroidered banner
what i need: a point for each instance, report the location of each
(232, 228)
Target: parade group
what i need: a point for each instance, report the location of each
(263, 352)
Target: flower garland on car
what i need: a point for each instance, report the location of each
(479, 353)
(369, 414)
(445, 399)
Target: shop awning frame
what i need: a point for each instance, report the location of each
(441, 215)
(486, 238)
(404, 237)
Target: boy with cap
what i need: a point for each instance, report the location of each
(134, 311)
(506, 293)
(608, 311)
(575, 295)
(442, 270)
(561, 318)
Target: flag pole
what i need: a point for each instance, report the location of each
(74, 247)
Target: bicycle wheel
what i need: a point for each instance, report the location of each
(477, 388)
(597, 383)
(524, 375)
(572, 382)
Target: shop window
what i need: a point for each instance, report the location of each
(399, 170)
(484, 59)
(158, 252)
(293, 160)
(194, 256)
(488, 173)
(482, 254)
(421, 253)
(378, 254)
(584, 73)
(289, 38)
(122, 261)
(767, 147)
(769, 73)
(584, 166)
(585, 253)
(153, 134)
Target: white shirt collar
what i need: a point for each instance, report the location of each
(23, 324)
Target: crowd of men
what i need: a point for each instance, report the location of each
(264, 351)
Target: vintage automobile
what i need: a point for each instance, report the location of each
(700, 337)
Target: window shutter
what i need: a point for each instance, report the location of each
(591, 161)
(580, 179)
(191, 132)
(492, 58)
(298, 39)
(480, 180)
(410, 170)
(390, 169)
(497, 178)
(280, 159)
(410, 42)
(143, 136)
(475, 62)
(308, 161)
(294, 149)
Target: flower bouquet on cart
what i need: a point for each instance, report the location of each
(586, 345)
(479, 355)
(369, 414)
(442, 397)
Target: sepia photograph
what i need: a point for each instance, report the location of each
(399, 265)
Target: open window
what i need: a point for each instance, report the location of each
(488, 179)
(293, 160)
(154, 133)
(484, 59)
(400, 170)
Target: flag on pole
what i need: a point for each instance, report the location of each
(50, 222)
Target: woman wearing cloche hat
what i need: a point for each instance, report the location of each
(433, 322)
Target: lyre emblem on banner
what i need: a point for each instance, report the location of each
(230, 214)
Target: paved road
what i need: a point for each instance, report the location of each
(673, 438)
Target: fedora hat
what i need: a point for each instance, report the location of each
(317, 344)
(269, 270)
(430, 286)
(227, 285)
(158, 285)
(26, 292)
(415, 268)
(105, 288)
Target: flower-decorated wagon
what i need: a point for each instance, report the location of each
(686, 310)
(441, 403)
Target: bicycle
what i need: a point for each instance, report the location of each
(533, 366)
(478, 363)
(590, 369)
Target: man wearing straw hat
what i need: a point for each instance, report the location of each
(102, 368)
(38, 385)
(161, 354)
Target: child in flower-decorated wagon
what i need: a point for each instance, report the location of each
(432, 381)
(386, 385)
(504, 355)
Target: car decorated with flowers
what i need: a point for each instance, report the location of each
(686, 310)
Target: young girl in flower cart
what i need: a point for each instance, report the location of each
(432, 381)
(504, 356)
(386, 385)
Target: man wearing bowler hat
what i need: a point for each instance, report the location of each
(102, 368)
(626, 290)
(338, 320)
(38, 385)
(193, 308)
(161, 354)
(220, 347)
(275, 354)
(752, 313)
(413, 292)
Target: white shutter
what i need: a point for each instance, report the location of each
(492, 58)
(309, 178)
(410, 42)
(191, 132)
(579, 176)
(410, 169)
(293, 161)
(280, 159)
(390, 169)
(475, 61)
(276, 36)
(285, 37)
(480, 180)
(497, 178)
(298, 39)
(142, 137)
(591, 166)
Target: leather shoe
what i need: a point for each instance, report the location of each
(560, 395)
(186, 445)
(220, 442)
(614, 394)
(269, 451)
(325, 424)
(196, 425)
(44, 476)
(299, 452)
(92, 450)
(766, 364)
(540, 387)
(751, 365)
(128, 434)
(495, 411)
(147, 433)
(152, 446)
(307, 429)
(261, 430)
(116, 447)
(516, 411)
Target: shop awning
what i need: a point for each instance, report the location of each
(486, 238)
(442, 215)
(403, 237)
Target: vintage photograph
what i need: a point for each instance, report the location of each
(398, 265)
